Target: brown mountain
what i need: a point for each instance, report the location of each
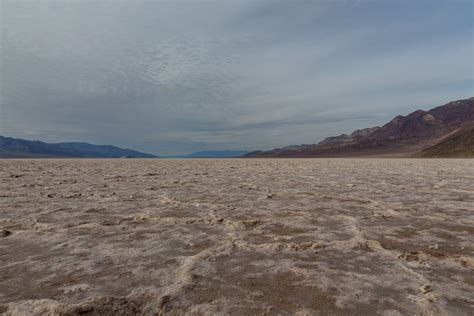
(458, 144)
(403, 136)
(344, 139)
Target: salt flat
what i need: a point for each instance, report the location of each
(237, 236)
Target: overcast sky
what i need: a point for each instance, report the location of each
(180, 76)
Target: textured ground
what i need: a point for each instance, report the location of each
(321, 236)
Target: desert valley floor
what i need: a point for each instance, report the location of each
(237, 236)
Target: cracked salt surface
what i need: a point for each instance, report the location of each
(237, 236)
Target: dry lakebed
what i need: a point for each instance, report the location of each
(237, 236)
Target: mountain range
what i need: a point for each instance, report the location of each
(21, 148)
(444, 131)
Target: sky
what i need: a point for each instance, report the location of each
(172, 77)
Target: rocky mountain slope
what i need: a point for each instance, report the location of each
(403, 136)
(21, 148)
(460, 144)
(345, 139)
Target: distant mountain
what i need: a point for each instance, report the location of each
(403, 136)
(211, 154)
(18, 148)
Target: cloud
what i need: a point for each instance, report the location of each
(180, 76)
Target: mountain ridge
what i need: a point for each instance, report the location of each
(21, 148)
(404, 135)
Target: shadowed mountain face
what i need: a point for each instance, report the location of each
(18, 148)
(404, 135)
(461, 144)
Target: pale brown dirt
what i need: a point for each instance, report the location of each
(237, 236)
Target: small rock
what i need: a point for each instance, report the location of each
(435, 246)
(50, 195)
(4, 233)
(270, 195)
(426, 288)
(350, 185)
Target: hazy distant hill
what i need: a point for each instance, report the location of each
(212, 154)
(403, 136)
(17, 148)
